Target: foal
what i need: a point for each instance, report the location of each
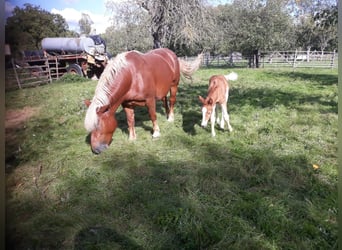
(218, 93)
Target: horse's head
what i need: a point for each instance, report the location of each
(207, 109)
(101, 134)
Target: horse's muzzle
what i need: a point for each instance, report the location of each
(99, 149)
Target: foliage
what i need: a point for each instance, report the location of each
(179, 25)
(244, 26)
(71, 78)
(129, 30)
(250, 25)
(318, 29)
(270, 184)
(28, 26)
(85, 24)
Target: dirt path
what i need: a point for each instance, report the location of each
(15, 121)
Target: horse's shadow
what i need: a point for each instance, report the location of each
(141, 116)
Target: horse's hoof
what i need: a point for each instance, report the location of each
(156, 134)
(171, 118)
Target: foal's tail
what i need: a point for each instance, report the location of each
(232, 76)
(188, 68)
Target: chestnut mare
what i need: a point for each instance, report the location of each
(134, 79)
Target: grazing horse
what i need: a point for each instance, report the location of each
(134, 79)
(218, 93)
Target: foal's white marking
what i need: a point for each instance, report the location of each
(102, 91)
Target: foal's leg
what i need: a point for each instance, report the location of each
(222, 118)
(212, 121)
(173, 92)
(130, 122)
(151, 105)
(226, 116)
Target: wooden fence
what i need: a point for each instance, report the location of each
(295, 59)
(22, 76)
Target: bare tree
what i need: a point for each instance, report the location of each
(171, 23)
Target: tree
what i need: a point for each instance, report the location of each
(28, 26)
(85, 24)
(172, 24)
(248, 25)
(316, 28)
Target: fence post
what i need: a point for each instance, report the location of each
(332, 59)
(308, 55)
(56, 65)
(294, 59)
(48, 70)
(15, 73)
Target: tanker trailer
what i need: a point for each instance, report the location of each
(85, 56)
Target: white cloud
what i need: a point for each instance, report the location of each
(72, 16)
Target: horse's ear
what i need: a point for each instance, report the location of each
(87, 103)
(102, 109)
(201, 99)
(210, 101)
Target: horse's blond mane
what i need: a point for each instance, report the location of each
(102, 91)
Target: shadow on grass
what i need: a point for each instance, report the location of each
(185, 204)
(320, 79)
(269, 98)
(225, 196)
(101, 237)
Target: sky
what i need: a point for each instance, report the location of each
(72, 11)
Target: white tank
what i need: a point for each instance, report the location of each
(63, 45)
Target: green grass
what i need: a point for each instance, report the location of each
(254, 188)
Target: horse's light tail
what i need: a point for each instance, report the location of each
(188, 68)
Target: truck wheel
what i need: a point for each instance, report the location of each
(75, 69)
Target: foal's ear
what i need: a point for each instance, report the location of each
(102, 109)
(210, 101)
(87, 103)
(201, 99)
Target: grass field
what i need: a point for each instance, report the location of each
(270, 184)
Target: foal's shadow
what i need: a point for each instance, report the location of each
(190, 119)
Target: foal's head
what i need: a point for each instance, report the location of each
(207, 109)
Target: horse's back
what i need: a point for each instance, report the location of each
(157, 69)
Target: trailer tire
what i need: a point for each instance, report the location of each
(75, 69)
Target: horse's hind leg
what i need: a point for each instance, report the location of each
(173, 92)
(151, 105)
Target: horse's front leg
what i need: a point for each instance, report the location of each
(151, 105)
(130, 122)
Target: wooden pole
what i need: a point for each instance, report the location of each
(15, 73)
